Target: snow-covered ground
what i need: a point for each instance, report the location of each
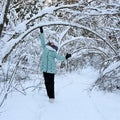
(73, 101)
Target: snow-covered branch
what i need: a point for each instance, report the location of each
(51, 10)
(92, 50)
(91, 11)
(63, 34)
(12, 44)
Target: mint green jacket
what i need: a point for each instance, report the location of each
(48, 57)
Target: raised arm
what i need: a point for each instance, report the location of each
(42, 38)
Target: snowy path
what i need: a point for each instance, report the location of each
(72, 101)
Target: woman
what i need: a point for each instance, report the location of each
(48, 65)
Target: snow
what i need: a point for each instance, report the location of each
(2, 13)
(8, 47)
(112, 66)
(73, 101)
(49, 10)
(20, 27)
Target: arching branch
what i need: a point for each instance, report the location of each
(14, 42)
(92, 49)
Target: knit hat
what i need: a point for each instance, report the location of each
(54, 47)
(53, 44)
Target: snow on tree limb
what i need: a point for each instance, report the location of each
(99, 49)
(50, 10)
(97, 12)
(14, 42)
(92, 50)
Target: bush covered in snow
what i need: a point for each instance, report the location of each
(109, 79)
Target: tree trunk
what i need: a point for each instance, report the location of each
(5, 11)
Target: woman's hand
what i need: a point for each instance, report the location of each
(41, 29)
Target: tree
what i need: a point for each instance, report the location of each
(3, 16)
(89, 30)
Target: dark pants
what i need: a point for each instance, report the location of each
(49, 84)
